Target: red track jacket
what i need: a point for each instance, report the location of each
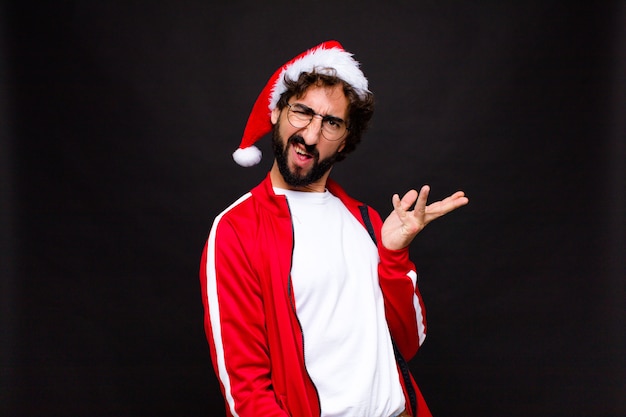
(250, 321)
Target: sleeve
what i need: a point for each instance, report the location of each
(404, 306)
(234, 323)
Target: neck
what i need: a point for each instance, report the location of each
(318, 186)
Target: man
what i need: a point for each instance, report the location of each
(311, 302)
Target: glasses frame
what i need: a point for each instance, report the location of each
(312, 114)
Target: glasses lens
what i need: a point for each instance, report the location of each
(333, 129)
(298, 117)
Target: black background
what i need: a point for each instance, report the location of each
(118, 120)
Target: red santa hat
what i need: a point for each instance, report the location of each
(328, 58)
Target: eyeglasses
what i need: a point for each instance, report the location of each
(300, 116)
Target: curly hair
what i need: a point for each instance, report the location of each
(360, 110)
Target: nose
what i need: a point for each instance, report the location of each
(311, 133)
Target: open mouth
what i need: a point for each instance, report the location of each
(302, 153)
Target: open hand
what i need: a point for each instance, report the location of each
(403, 224)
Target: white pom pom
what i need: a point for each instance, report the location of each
(247, 157)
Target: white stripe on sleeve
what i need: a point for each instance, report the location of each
(214, 311)
(419, 314)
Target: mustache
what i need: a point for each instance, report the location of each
(311, 149)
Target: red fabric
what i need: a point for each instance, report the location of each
(259, 336)
(259, 123)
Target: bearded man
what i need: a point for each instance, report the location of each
(311, 301)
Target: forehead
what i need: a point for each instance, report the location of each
(325, 100)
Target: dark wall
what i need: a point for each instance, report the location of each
(118, 120)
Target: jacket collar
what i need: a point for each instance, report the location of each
(277, 204)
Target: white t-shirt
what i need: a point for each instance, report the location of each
(347, 346)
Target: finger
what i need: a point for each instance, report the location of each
(456, 200)
(395, 201)
(420, 205)
(408, 200)
(440, 208)
(457, 194)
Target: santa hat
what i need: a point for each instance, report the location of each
(327, 58)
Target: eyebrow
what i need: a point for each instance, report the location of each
(307, 109)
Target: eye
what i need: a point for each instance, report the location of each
(333, 123)
(301, 113)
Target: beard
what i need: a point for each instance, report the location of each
(297, 178)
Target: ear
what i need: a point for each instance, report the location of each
(343, 145)
(275, 115)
